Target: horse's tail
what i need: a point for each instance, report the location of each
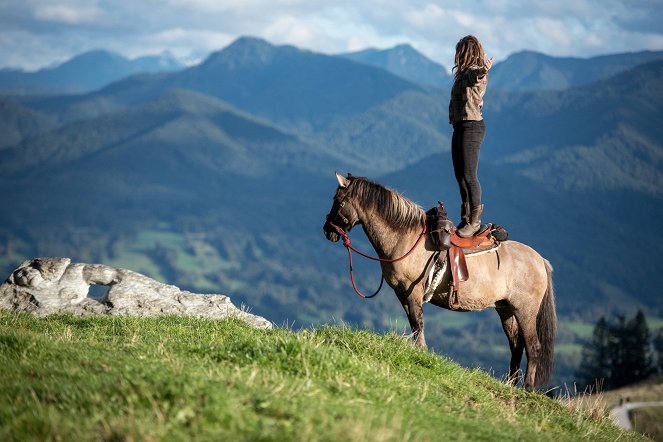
(546, 326)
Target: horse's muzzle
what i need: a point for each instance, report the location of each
(330, 232)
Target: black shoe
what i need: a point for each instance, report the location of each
(464, 215)
(473, 225)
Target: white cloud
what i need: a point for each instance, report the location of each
(191, 28)
(34, 52)
(189, 45)
(290, 29)
(68, 14)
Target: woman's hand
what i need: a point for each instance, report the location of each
(488, 63)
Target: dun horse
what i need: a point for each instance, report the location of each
(515, 279)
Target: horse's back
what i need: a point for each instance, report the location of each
(512, 270)
(525, 269)
(521, 251)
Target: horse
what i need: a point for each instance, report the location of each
(514, 280)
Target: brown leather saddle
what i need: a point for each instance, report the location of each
(460, 247)
(481, 242)
(443, 236)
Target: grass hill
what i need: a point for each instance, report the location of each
(180, 378)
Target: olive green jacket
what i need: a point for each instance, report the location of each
(467, 95)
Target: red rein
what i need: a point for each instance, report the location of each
(350, 248)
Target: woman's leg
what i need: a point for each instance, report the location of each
(471, 146)
(457, 159)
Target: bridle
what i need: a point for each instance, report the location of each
(346, 242)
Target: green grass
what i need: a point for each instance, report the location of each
(174, 378)
(138, 262)
(581, 329)
(147, 239)
(193, 257)
(568, 349)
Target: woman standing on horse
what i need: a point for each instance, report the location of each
(470, 81)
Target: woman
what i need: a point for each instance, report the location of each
(470, 81)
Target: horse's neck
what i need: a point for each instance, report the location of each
(385, 239)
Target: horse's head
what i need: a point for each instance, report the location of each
(342, 214)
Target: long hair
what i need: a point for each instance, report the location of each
(546, 326)
(469, 52)
(397, 211)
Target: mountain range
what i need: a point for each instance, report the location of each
(218, 177)
(533, 71)
(85, 72)
(405, 61)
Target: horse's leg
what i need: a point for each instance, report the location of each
(516, 343)
(527, 322)
(413, 306)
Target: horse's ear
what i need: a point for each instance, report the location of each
(342, 181)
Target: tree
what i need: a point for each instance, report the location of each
(596, 361)
(658, 349)
(619, 353)
(631, 351)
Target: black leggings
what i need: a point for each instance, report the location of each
(465, 147)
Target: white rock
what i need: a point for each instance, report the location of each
(44, 286)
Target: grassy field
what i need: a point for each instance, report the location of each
(174, 378)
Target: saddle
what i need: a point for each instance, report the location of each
(460, 247)
(445, 238)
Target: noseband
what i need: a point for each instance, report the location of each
(339, 214)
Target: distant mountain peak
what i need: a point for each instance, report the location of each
(248, 41)
(406, 48)
(528, 52)
(403, 48)
(84, 72)
(245, 51)
(530, 70)
(91, 58)
(406, 62)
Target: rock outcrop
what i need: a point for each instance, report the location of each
(43, 286)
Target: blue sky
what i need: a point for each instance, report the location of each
(37, 33)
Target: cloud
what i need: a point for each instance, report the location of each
(38, 32)
(69, 14)
(189, 45)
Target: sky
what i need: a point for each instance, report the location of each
(39, 33)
